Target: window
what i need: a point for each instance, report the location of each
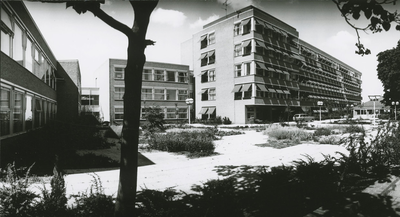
(247, 48)
(36, 54)
(247, 91)
(182, 77)
(147, 74)
(18, 121)
(207, 76)
(211, 93)
(211, 75)
(159, 94)
(118, 113)
(238, 70)
(171, 112)
(147, 94)
(6, 32)
(246, 26)
(203, 41)
(238, 50)
(259, 27)
(28, 112)
(159, 75)
(204, 94)
(5, 42)
(170, 76)
(171, 95)
(5, 106)
(247, 68)
(211, 38)
(28, 55)
(38, 113)
(182, 95)
(182, 112)
(236, 29)
(119, 72)
(207, 58)
(119, 93)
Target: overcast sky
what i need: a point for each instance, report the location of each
(92, 42)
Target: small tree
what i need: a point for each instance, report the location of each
(154, 119)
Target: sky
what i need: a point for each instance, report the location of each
(92, 42)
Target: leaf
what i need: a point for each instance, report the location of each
(377, 9)
(386, 26)
(356, 15)
(368, 13)
(374, 21)
(398, 27)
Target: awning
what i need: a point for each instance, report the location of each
(211, 111)
(286, 91)
(262, 87)
(271, 90)
(268, 26)
(246, 43)
(203, 111)
(211, 53)
(203, 91)
(279, 91)
(236, 88)
(278, 70)
(261, 65)
(244, 22)
(262, 44)
(204, 55)
(203, 37)
(245, 87)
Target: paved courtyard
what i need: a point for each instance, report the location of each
(172, 170)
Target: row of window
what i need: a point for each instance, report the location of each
(89, 99)
(21, 111)
(155, 94)
(17, 43)
(169, 113)
(156, 75)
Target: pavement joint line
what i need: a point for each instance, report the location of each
(390, 187)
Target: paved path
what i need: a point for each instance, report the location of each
(172, 170)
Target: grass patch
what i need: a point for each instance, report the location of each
(291, 133)
(279, 144)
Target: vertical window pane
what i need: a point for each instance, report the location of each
(5, 43)
(182, 77)
(159, 94)
(147, 75)
(28, 56)
(5, 112)
(171, 95)
(182, 95)
(5, 17)
(147, 94)
(38, 113)
(28, 112)
(170, 76)
(159, 75)
(18, 99)
(119, 93)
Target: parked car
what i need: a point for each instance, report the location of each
(303, 117)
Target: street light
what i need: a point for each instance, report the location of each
(189, 101)
(374, 98)
(320, 103)
(395, 109)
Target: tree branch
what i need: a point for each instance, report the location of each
(111, 21)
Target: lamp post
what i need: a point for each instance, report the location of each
(395, 109)
(189, 101)
(374, 98)
(320, 103)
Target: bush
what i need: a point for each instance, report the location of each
(95, 203)
(196, 143)
(226, 120)
(322, 132)
(154, 119)
(354, 129)
(331, 140)
(292, 133)
(16, 200)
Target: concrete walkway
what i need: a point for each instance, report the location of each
(172, 170)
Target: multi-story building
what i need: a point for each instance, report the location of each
(35, 88)
(251, 66)
(164, 85)
(90, 104)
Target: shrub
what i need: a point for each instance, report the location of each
(331, 140)
(226, 120)
(354, 129)
(16, 200)
(196, 143)
(292, 133)
(95, 203)
(154, 119)
(322, 132)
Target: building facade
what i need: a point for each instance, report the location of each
(90, 104)
(35, 88)
(164, 85)
(249, 67)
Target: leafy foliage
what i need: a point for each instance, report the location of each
(389, 73)
(16, 200)
(292, 133)
(379, 18)
(154, 119)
